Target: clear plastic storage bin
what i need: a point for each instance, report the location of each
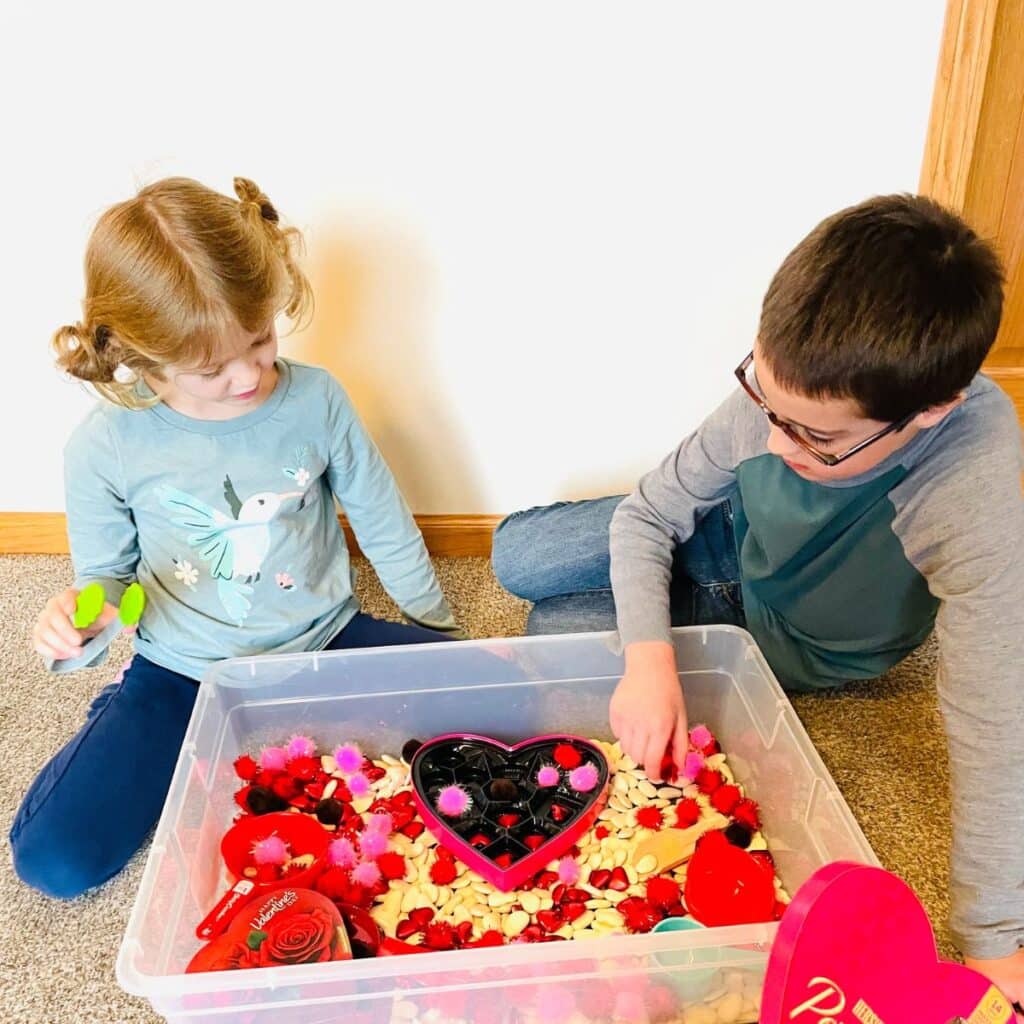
(510, 690)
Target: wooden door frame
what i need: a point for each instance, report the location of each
(974, 153)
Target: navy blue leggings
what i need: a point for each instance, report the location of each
(93, 805)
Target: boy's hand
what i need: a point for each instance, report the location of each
(647, 711)
(54, 636)
(1006, 973)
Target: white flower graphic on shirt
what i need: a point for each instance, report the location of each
(299, 473)
(186, 572)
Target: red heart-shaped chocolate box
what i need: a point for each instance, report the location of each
(513, 825)
(856, 945)
(286, 926)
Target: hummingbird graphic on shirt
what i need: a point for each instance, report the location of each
(234, 546)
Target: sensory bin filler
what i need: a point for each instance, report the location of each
(321, 846)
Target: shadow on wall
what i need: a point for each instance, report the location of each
(374, 330)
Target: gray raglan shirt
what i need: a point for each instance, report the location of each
(842, 580)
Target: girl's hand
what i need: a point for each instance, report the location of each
(54, 636)
(647, 711)
(1006, 973)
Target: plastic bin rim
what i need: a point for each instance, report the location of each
(610, 638)
(445, 964)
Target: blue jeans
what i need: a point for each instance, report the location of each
(557, 557)
(93, 805)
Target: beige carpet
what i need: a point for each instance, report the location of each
(882, 742)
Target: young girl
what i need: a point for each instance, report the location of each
(209, 475)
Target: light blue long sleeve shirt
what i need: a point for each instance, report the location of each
(230, 525)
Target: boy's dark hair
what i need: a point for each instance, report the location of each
(894, 303)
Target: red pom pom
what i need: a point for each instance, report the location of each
(708, 780)
(439, 935)
(303, 768)
(725, 798)
(662, 892)
(639, 915)
(687, 813)
(442, 872)
(285, 787)
(567, 756)
(241, 797)
(649, 817)
(246, 768)
(392, 865)
(601, 832)
(334, 883)
(746, 813)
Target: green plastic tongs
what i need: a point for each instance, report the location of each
(88, 607)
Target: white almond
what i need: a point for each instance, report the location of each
(514, 924)
(648, 789)
(330, 788)
(646, 864)
(404, 1010)
(530, 902)
(670, 793)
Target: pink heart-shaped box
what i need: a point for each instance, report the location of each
(856, 945)
(474, 763)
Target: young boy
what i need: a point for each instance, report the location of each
(861, 487)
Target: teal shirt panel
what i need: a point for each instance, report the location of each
(827, 588)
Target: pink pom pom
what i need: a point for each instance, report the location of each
(556, 1005)
(373, 844)
(382, 823)
(358, 785)
(692, 764)
(300, 746)
(272, 850)
(453, 801)
(341, 854)
(568, 871)
(700, 736)
(548, 776)
(366, 873)
(349, 758)
(273, 759)
(584, 778)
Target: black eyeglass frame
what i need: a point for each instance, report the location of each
(825, 458)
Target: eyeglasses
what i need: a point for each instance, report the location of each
(825, 458)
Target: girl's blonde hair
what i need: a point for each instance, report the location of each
(168, 271)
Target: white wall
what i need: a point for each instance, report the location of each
(539, 232)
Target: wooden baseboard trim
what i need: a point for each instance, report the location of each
(44, 533)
